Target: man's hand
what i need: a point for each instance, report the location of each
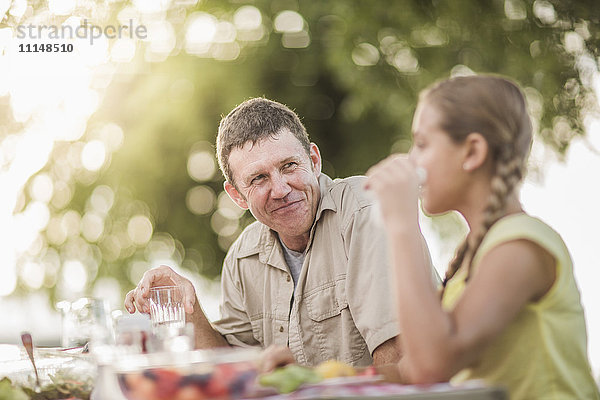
(275, 356)
(206, 335)
(160, 276)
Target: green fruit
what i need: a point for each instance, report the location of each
(289, 378)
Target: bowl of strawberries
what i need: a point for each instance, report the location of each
(200, 374)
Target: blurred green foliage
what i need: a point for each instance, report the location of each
(355, 86)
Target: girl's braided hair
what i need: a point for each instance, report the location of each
(495, 108)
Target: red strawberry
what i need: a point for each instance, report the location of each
(216, 389)
(167, 383)
(217, 385)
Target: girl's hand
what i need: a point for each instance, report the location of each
(395, 183)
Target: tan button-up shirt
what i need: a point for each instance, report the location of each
(343, 305)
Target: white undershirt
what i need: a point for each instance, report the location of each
(294, 261)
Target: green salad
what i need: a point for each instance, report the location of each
(10, 392)
(61, 386)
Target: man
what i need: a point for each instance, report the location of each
(312, 272)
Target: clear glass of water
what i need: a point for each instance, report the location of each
(166, 307)
(174, 338)
(86, 320)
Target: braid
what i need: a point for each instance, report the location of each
(509, 171)
(495, 108)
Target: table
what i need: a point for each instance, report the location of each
(467, 394)
(442, 391)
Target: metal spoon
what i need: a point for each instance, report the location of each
(28, 343)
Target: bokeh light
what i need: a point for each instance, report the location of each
(102, 199)
(515, 10)
(201, 166)
(93, 155)
(365, 54)
(41, 188)
(71, 223)
(405, 60)
(544, 10)
(200, 200)
(223, 225)
(295, 40)
(92, 226)
(288, 22)
(74, 276)
(139, 229)
(225, 32)
(161, 246)
(228, 208)
(201, 29)
(55, 232)
(33, 274)
(247, 18)
(162, 40)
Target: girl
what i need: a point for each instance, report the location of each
(510, 312)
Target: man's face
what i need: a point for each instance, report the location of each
(278, 182)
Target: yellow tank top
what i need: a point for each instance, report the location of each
(541, 354)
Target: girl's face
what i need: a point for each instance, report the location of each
(434, 151)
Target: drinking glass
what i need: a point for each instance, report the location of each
(86, 320)
(173, 338)
(166, 306)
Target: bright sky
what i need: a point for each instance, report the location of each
(567, 200)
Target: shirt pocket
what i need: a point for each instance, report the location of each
(332, 324)
(258, 328)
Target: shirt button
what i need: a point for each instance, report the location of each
(288, 278)
(281, 329)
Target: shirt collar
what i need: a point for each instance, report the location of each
(266, 243)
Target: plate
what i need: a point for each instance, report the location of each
(346, 381)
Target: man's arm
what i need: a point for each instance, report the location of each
(387, 352)
(206, 336)
(387, 360)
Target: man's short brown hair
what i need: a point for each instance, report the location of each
(254, 120)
